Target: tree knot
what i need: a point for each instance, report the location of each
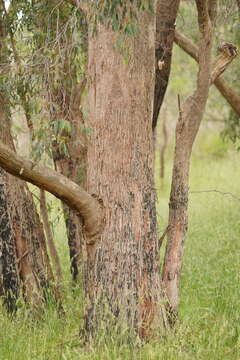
(228, 49)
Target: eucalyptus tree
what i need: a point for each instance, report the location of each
(122, 279)
(117, 207)
(190, 116)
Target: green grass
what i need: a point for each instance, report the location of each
(209, 324)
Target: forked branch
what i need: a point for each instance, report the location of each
(228, 93)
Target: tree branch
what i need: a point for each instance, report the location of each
(227, 92)
(227, 53)
(60, 186)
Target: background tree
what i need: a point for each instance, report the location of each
(190, 116)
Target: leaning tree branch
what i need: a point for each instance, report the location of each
(60, 186)
(227, 92)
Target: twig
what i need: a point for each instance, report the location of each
(216, 191)
(163, 235)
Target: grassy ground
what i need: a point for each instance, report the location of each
(209, 323)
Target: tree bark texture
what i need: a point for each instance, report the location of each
(32, 263)
(166, 14)
(227, 92)
(122, 274)
(8, 259)
(190, 115)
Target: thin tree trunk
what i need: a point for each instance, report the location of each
(122, 271)
(166, 14)
(32, 263)
(73, 165)
(49, 236)
(190, 115)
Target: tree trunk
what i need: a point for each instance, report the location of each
(10, 285)
(33, 268)
(166, 14)
(49, 236)
(122, 274)
(73, 165)
(190, 115)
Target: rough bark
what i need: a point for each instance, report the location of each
(166, 14)
(27, 229)
(190, 115)
(10, 282)
(228, 93)
(122, 273)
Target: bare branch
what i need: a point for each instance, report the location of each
(235, 197)
(227, 53)
(186, 44)
(228, 93)
(60, 186)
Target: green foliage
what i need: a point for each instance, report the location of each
(120, 15)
